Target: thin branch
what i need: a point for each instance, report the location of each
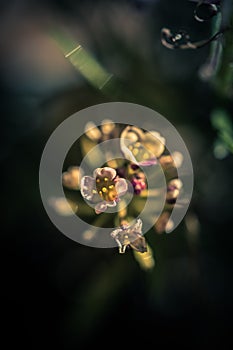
(182, 41)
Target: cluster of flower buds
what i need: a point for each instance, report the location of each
(139, 182)
(111, 182)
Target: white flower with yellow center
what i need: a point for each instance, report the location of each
(105, 188)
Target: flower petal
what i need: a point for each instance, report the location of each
(100, 207)
(115, 233)
(121, 187)
(87, 187)
(111, 204)
(128, 154)
(110, 173)
(155, 143)
(132, 133)
(149, 162)
(137, 227)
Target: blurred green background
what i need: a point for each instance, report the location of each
(61, 294)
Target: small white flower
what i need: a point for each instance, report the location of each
(130, 235)
(105, 188)
(71, 177)
(142, 148)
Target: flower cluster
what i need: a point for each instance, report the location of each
(109, 184)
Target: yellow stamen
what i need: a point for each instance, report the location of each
(104, 189)
(110, 187)
(105, 179)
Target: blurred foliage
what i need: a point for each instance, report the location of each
(221, 121)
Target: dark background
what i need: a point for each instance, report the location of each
(56, 292)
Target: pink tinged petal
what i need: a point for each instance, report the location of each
(174, 184)
(148, 162)
(96, 172)
(100, 207)
(110, 173)
(121, 187)
(87, 187)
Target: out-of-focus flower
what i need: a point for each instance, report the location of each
(173, 190)
(63, 206)
(130, 235)
(141, 148)
(164, 222)
(172, 160)
(105, 188)
(88, 235)
(102, 133)
(71, 178)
